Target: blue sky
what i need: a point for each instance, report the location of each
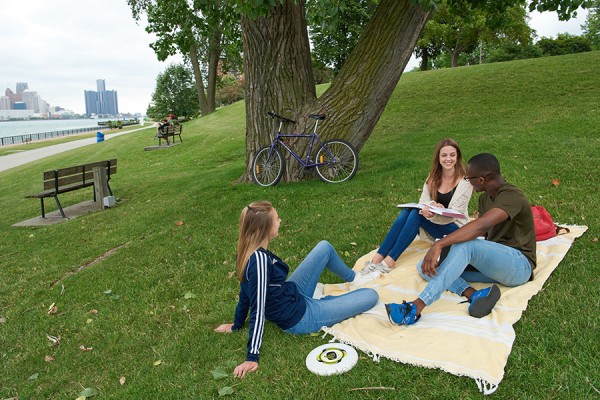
(61, 47)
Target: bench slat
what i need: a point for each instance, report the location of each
(78, 169)
(80, 176)
(63, 189)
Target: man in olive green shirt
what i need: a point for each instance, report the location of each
(507, 256)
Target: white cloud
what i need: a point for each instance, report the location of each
(61, 47)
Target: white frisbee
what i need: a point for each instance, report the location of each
(331, 359)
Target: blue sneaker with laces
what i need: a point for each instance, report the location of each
(483, 301)
(402, 314)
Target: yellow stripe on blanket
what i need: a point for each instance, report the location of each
(446, 337)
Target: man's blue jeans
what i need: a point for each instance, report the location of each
(329, 310)
(495, 263)
(406, 227)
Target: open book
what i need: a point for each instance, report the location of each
(446, 212)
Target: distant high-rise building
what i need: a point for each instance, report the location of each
(100, 85)
(110, 102)
(102, 102)
(21, 87)
(91, 102)
(4, 103)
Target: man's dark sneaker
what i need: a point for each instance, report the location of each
(483, 301)
(402, 314)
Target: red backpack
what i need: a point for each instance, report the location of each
(545, 228)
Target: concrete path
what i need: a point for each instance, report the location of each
(24, 157)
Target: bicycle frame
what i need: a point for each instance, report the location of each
(306, 163)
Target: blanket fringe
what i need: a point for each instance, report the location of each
(485, 387)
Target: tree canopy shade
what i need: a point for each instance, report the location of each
(591, 28)
(460, 27)
(278, 72)
(199, 30)
(174, 93)
(332, 43)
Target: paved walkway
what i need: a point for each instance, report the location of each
(27, 156)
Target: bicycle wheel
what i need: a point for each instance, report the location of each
(268, 166)
(342, 166)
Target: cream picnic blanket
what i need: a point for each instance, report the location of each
(446, 337)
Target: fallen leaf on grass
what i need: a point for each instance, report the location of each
(122, 381)
(224, 391)
(231, 274)
(109, 291)
(2, 320)
(555, 182)
(88, 392)
(89, 321)
(94, 312)
(55, 340)
(34, 376)
(52, 309)
(157, 363)
(352, 244)
(347, 254)
(178, 223)
(594, 240)
(48, 358)
(83, 348)
(189, 295)
(219, 373)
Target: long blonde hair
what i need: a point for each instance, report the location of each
(434, 179)
(256, 221)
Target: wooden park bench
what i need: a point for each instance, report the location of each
(169, 131)
(72, 178)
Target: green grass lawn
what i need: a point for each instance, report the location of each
(143, 284)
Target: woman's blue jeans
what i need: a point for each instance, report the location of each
(406, 227)
(329, 310)
(495, 263)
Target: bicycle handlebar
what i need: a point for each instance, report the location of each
(318, 117)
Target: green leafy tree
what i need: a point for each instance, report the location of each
(508, 50)
(564, 44)
(591, 28)
(174, 93)
(459, 27)
(199, 30)
(278, 66)
(334, 40)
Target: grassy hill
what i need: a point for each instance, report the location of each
(148, 280)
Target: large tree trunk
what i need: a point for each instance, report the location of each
(204, 108)
(278, 73)
(214, 56)
(424, 59)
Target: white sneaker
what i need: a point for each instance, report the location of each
(363, 279)
(381, 267)
(370, 267)
(319, 291)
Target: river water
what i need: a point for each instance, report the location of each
(16, 128)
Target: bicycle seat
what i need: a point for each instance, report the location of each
(319, 117)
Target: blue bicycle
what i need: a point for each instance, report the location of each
(335, 160)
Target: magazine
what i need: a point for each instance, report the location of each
(446, 212)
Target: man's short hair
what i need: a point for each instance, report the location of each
(485, 164)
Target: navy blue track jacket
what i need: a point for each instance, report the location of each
(265, 292)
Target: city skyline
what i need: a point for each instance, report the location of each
(101, 101)
(23, 103)
(58, 48)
